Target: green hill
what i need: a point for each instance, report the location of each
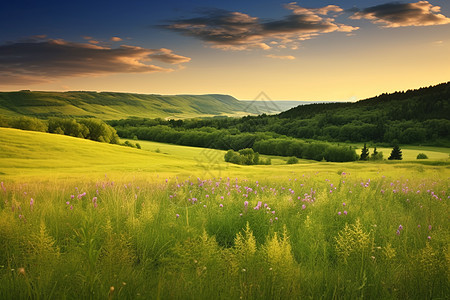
(108, 105)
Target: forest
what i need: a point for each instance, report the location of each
(312, 131)
(413, 117)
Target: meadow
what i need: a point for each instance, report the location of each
(81, 219)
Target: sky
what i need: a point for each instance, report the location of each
(311, 50)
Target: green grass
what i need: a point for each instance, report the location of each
(150, 229)
(109, 106)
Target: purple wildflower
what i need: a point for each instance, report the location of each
(345, 212)
(339, 213)
(220, 205)
(303, 206)
(177, 215)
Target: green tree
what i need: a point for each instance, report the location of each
(376, 155)
(364, 153)
(396, 153)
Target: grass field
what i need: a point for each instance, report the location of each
(81, 219)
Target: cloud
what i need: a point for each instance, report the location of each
(116, 39)
(288, 57)
(395, 14)
(239, 31)
(44, 61)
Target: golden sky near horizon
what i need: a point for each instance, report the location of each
(290, 51)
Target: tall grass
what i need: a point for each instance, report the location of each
(226, 238)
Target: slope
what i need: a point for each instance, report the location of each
(108, 105)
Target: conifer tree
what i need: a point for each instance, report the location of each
(364, 153)
(396, 153)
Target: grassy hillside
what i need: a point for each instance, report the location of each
(107, 106)
(26, 154)
(88, 220)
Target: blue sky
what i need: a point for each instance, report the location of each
(304, 50)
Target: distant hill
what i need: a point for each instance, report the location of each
(276, 106)
(108, 105)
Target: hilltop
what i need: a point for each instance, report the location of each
(109, 105)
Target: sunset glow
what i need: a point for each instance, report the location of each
(305, 50)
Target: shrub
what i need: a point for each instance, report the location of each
(422, 156)
(292, 160)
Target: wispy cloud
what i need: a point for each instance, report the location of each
(395, 14)
(239, 31)
(44, 61)
(288, 57)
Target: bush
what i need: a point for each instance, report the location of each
(377, 156)
(243, 157)
(292, 160)
(422, 156)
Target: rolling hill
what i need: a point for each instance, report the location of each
(108, 105)
(30, 154)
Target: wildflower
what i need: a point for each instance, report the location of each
(94, 199)
(303, 206)
(207, 196)
(204, 205)
(177, 215)
(339, 213)
(245, 203)
(221, 197)
(343, 204)
(398, 232)
(95, 204)
(67, 202)
(345, 212)
(72, 196)
(71, 207)
(429, 227)
(276, 218)
(31, 202)
(429, 237)
(418, 226)
(220, 205)
(400, 227)
(240, 215)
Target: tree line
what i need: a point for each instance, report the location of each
(412, 117)
(92, 129)
(225, 139)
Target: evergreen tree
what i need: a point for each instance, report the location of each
(364, 153)
(396, 153)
